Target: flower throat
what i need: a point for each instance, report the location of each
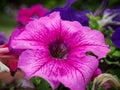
(58, 49)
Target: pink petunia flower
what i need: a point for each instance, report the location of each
(56, 51)
(26, 14)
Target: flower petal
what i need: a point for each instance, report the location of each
(38, 10)
(72, 72)
(23, 15)
(116, 38)
(36, 33)
(80, 72)
(35, 61)
(83, 38)
(96, 73)
(3, 38)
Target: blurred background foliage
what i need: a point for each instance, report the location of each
(9, 8)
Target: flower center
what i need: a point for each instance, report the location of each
(58, 49)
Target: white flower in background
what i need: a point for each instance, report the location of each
(3, 67)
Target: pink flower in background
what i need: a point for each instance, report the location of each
(96, 73)
(56, 51)
(26, 14)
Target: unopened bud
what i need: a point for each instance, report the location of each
(102, 79)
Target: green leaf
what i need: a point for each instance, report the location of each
(12, 88)
(112, 63)
(89, 86)
(93, 23)
(40, 84)
(116, 54)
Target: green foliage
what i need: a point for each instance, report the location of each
(111, 63)
(7, 24)
(93, 23)
(7, 21)
(40, 84)
(89, 86)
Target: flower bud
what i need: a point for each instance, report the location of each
(102, 79)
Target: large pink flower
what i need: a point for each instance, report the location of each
(56, 51)
(26, 14)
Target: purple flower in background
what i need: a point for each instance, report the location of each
(26, 14)
(101, 8)
(111, 18)
(116, 17)
(68, 13)
(116, 37)
(56, 51)
(3, 38)
(82, 18)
